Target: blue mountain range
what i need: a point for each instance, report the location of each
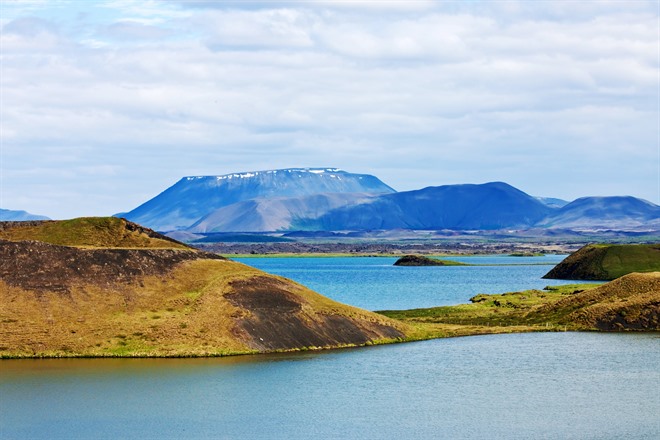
(329, 199)
(19, 216)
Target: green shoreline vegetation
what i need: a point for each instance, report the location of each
(493, 313)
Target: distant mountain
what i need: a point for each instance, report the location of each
(493, 205)
(620, 213)
(193, 198)
(553, 202)
(278, 214)
(8, 215)
(329, 199)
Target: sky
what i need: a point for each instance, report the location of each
(105, 104)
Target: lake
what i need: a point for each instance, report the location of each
(520, 386)
(540, 385)
(374, 283)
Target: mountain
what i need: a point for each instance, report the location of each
(553, 202)
(193, 198)
(607, 262)
(142, 299)
(7, 215)
(329, 199)
(259, 215)
(493, 205)
(620, 213)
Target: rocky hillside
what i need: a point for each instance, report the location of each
(607, 262)
(110, 301)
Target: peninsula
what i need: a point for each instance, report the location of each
(99, 287)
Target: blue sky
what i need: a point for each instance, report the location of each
(106, 104)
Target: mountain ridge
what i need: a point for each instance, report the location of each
(604, 212)
(485, 206)
(9, 215)
(194, 197)
(330, 199)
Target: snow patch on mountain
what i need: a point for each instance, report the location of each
(194, 197)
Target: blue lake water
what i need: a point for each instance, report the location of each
(373, 283)
(521, 386)
(526, 386)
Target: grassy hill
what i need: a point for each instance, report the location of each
(117, 289)
(631, 302)
(103, 232)
(607, 262)
(156, 297)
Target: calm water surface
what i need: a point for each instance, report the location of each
(525, 386)
(373, 283)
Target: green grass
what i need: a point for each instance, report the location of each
(501, 310)
(105, 232)
(620, 260)
(608, 262)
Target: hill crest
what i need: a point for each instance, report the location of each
(607, 262)
(105, 232)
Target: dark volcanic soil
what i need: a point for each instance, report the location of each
(35, 265)
(276, 320)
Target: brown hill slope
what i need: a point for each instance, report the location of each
(66, 301)
(631, 302)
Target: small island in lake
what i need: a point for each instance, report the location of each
(420, 260)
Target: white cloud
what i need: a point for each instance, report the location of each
(278, 28)
(434, 94)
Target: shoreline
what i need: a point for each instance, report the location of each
(456, 333)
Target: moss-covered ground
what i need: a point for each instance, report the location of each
(501, 313)
(608, 262)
